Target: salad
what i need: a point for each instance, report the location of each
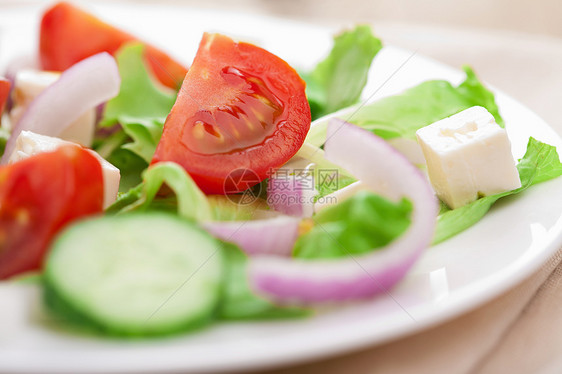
(146, 197)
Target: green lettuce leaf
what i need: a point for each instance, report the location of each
(327, 183)
(234, 207)
(357, 225)
(4, 136)
(238, 301)
(403, 114)
(141, 106)
(126, 199)
(130, 166)
(190, 202)
(145, 136)
(540, 163)
(476, 94)
(337, 81)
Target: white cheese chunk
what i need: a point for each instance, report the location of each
(29, 84)
(468, 156)
(29, 143)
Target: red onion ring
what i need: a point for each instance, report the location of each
(273, 236)
(292, 195)
(384, 170)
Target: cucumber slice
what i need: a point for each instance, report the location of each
(136, 274)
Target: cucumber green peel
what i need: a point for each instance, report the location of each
(136, 275)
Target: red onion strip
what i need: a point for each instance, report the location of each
(16, 64)
(83, 86)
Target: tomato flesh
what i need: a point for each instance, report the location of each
(4, 93)
(249, 119)
(240, 107)
(69, 34)
(38, 197)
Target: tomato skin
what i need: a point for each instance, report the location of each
(4, 93)
(38, 197)
(209, 89)
(69, 34)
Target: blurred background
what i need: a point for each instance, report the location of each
(540, 16)
(537, 17)
(515, 45)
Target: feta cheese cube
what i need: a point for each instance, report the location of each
(29, 143)
(29, 84)
(468, 156)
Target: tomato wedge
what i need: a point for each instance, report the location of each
(38, 196)
(240, 108)
(4, 93)
(69, 34)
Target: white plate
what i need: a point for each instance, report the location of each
(513, 240)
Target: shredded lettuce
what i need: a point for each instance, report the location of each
(540, 163)
(403, 114)
(238, 301)
(141, 106)
(357, 225)
(338, 80)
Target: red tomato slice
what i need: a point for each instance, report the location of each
(69, 34)
(38, 196)
(4, 93)
(239, 108)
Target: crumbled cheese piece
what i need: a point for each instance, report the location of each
(468, 155)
